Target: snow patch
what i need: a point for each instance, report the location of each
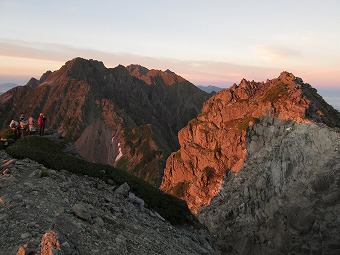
(120, 154)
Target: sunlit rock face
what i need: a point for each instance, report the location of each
(285, 199)
(129, 111)
(215, 142)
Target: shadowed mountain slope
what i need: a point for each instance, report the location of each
(113, 115)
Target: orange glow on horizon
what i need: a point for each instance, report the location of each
(16, 66)
(198, 72)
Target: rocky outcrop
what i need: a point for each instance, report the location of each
(215, 142)
(43, 211)
(96, 107)
(285, 199)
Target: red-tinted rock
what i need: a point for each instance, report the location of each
(214, 142)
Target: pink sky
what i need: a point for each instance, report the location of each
(20, 63)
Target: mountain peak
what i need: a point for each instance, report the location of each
(287, 75)
(78, 64)
(33, 82)
(153, 77)
(137, 70)
(45, 76)
(169, 71)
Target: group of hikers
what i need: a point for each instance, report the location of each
(28, 126)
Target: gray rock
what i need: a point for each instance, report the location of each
(132, 198)
(3, 216)
(25, 235)
(36, 173)
(123, 190)
(82, 210)
(285, 199)
(86, 219)
(99, 221)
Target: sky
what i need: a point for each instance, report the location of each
(215, 42)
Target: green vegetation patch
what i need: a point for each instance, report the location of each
(122, 164)
(275, 93)
(45, 173)
(52, 156)
(6, 134)
(138, 140)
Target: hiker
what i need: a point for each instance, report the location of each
(14, 125)
(41, 124)
(23, 126)
(31, 125)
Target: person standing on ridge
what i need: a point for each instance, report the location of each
(31, 126)
(23, 125)
(41, 124)
(14, 125)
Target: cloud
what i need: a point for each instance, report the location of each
(24, 57)
(275, 52)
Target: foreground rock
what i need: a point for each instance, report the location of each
(47, 212)
(286, 198)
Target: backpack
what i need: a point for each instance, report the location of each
(13, 124)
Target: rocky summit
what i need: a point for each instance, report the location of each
(47, 212)
(286, 197)
(214, 143)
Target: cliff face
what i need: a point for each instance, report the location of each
(215, 142)
(97, 107)
(285, 199)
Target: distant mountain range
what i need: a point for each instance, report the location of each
(331, 95)
(6, 86)
(210, 88)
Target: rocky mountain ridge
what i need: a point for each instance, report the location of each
(286, 197)
(105, 111)
(44, 212)
(215, 142)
